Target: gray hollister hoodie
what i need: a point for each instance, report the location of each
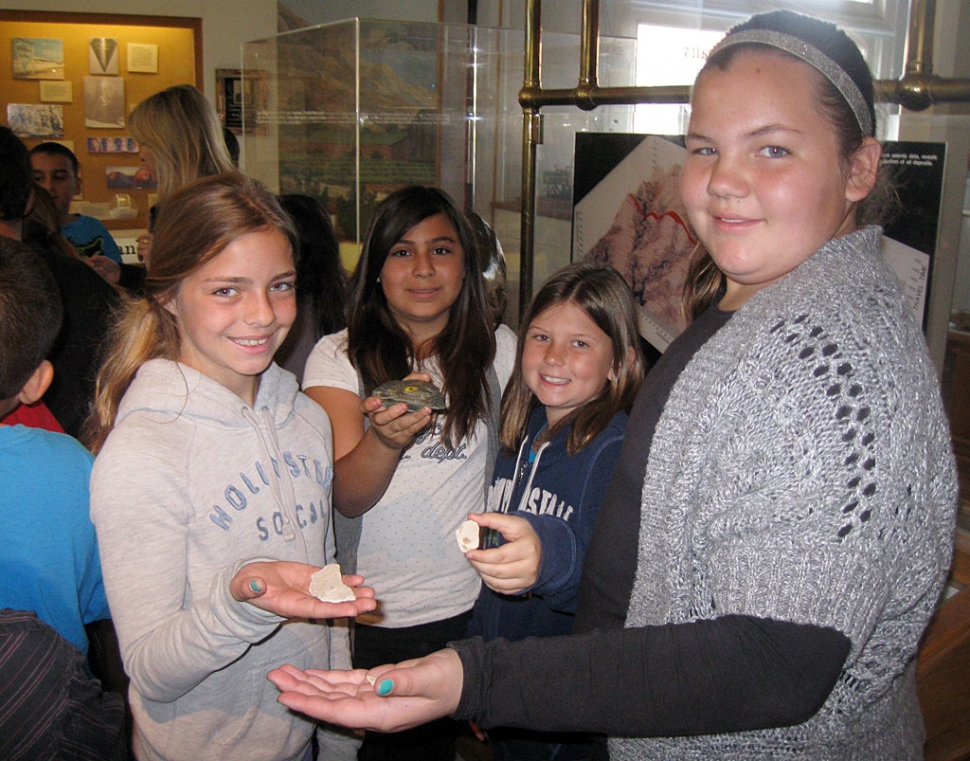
(191, 484)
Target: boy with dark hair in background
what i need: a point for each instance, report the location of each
(86, 298)
(56, 169)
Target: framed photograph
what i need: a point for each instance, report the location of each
(142, 58)
(56, 92)
(37, 58)
(31, 120)
(129, 178)
(112, 145)
(104, 102)
(239, 96)
(103, 55)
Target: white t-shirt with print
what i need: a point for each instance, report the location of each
(408, 552)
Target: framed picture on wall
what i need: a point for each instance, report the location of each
(32, 120)
(37, 58)
(627, 213)
(103, 55)
(104, 102)
(240, 95)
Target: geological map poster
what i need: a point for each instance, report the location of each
(627, 213)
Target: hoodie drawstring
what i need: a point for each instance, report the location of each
(275, 455)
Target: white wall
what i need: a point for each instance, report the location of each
(426, 11)
(225, 23)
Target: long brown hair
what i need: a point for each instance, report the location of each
(603, 294)
(194, 225)
(381, 350)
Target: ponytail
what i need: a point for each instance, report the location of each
(144, 330)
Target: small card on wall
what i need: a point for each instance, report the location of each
(103, 55)
(129, 178)
(112, 145)
(57, 92)
(142, 58)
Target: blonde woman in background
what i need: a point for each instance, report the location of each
(181, 140)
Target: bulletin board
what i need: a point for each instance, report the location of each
(81, 74)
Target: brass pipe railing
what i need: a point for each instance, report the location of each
(918, 89)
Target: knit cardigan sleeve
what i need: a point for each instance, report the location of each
(801, 471)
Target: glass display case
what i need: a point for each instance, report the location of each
(349, 111)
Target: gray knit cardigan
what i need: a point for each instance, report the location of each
(802, 470)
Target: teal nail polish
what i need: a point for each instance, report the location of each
(254, 585)
(385, 687)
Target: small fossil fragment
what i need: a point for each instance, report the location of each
(414, 393)
(328, 586)
(468, 534)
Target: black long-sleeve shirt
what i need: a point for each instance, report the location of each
(727, 674)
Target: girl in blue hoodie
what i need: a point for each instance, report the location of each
(578, 368)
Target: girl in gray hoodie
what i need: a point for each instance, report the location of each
(211, 488)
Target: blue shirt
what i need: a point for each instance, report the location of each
(49, 559)
(91, 238)
(560, 495)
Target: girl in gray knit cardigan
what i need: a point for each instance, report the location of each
(779, 525)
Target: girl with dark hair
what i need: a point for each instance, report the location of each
(211, 488)
(407, 479)
(779, 526)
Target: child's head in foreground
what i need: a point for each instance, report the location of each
(30, 319)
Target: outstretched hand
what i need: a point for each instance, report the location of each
(512, 568)
(283, 587)
(394, 425)
(402, 696)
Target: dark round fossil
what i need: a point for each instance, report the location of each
(414, 393)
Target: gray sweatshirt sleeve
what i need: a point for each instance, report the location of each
(171, 636)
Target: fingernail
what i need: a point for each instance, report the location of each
(255, 586)
(385, 687)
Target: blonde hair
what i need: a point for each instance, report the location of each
(194, 225)
(603, 294)
(182, 129)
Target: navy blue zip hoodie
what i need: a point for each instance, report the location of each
(560, 495)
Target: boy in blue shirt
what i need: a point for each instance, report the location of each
(50, 563)
(56, 170)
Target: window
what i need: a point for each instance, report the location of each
(668, 56)
(673, 40)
